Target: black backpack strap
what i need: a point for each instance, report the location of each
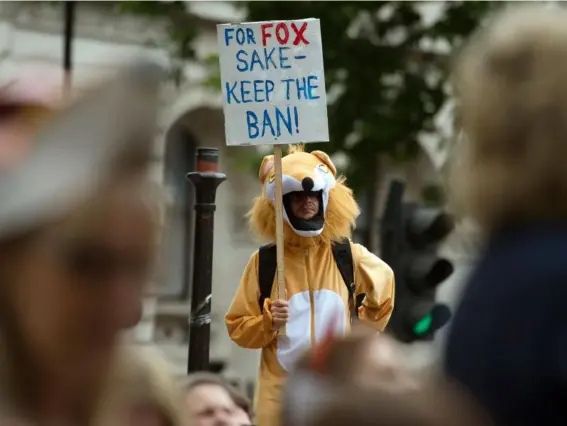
(267, 265)
(343, 257)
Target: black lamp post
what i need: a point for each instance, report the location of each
(206, 181)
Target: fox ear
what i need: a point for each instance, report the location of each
(326, 160)
(267, 164)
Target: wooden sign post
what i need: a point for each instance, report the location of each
(279, 227)
(273, 85)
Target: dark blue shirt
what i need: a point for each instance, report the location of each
(508, 338)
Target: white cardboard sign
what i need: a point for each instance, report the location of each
(273, 82)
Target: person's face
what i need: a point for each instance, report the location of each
(210, 405)
(74, 287)
(304, 205)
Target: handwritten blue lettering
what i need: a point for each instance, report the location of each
(250, 36)
(243, 36)
(230, 92)
(267, 123)
(256, 61)
(241, 58)
(244, 92)
(268, 58)
(273, 122)
(252, 124)
(228, 35)
(285, 120)
(305, 87)
(301, 86)
(262, 90)
(287, 83)
(265, 59)
(240, 36)
(311, 86)
(283, 59)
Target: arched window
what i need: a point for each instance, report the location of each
(177, 261)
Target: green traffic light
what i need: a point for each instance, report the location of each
(423, 325)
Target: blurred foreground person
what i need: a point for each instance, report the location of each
(357, 380)
(213, 402)
(244, 413)
(508, 341)
(76, 247)
(361, 359)
(142, 392)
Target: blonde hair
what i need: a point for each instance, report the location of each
(436, 405)
(142, 375)
(512, 86)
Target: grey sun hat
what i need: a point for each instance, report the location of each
(80, 148)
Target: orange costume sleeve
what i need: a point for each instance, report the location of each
(375, 279)
(247, 325)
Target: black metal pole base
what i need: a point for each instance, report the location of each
(206, 184)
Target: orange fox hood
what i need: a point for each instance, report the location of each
(339, 208)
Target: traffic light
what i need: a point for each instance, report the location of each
(410, 234)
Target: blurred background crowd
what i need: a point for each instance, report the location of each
(122, 224)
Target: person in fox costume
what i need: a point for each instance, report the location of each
(325, 273)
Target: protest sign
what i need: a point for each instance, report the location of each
(273, 82)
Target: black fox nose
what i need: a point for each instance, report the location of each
(307, 184)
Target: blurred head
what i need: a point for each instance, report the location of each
(359, 380)
(142, 392)
(435, 405)
(241, 417)
(364, 359)
(77, 237)
(243, 413)
(71, 286)
(210, 405)
(213, 402)
(512, 92)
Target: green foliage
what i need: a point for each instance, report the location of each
(213, 79)
(433, 195)
(390, 86)
(244, 158)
